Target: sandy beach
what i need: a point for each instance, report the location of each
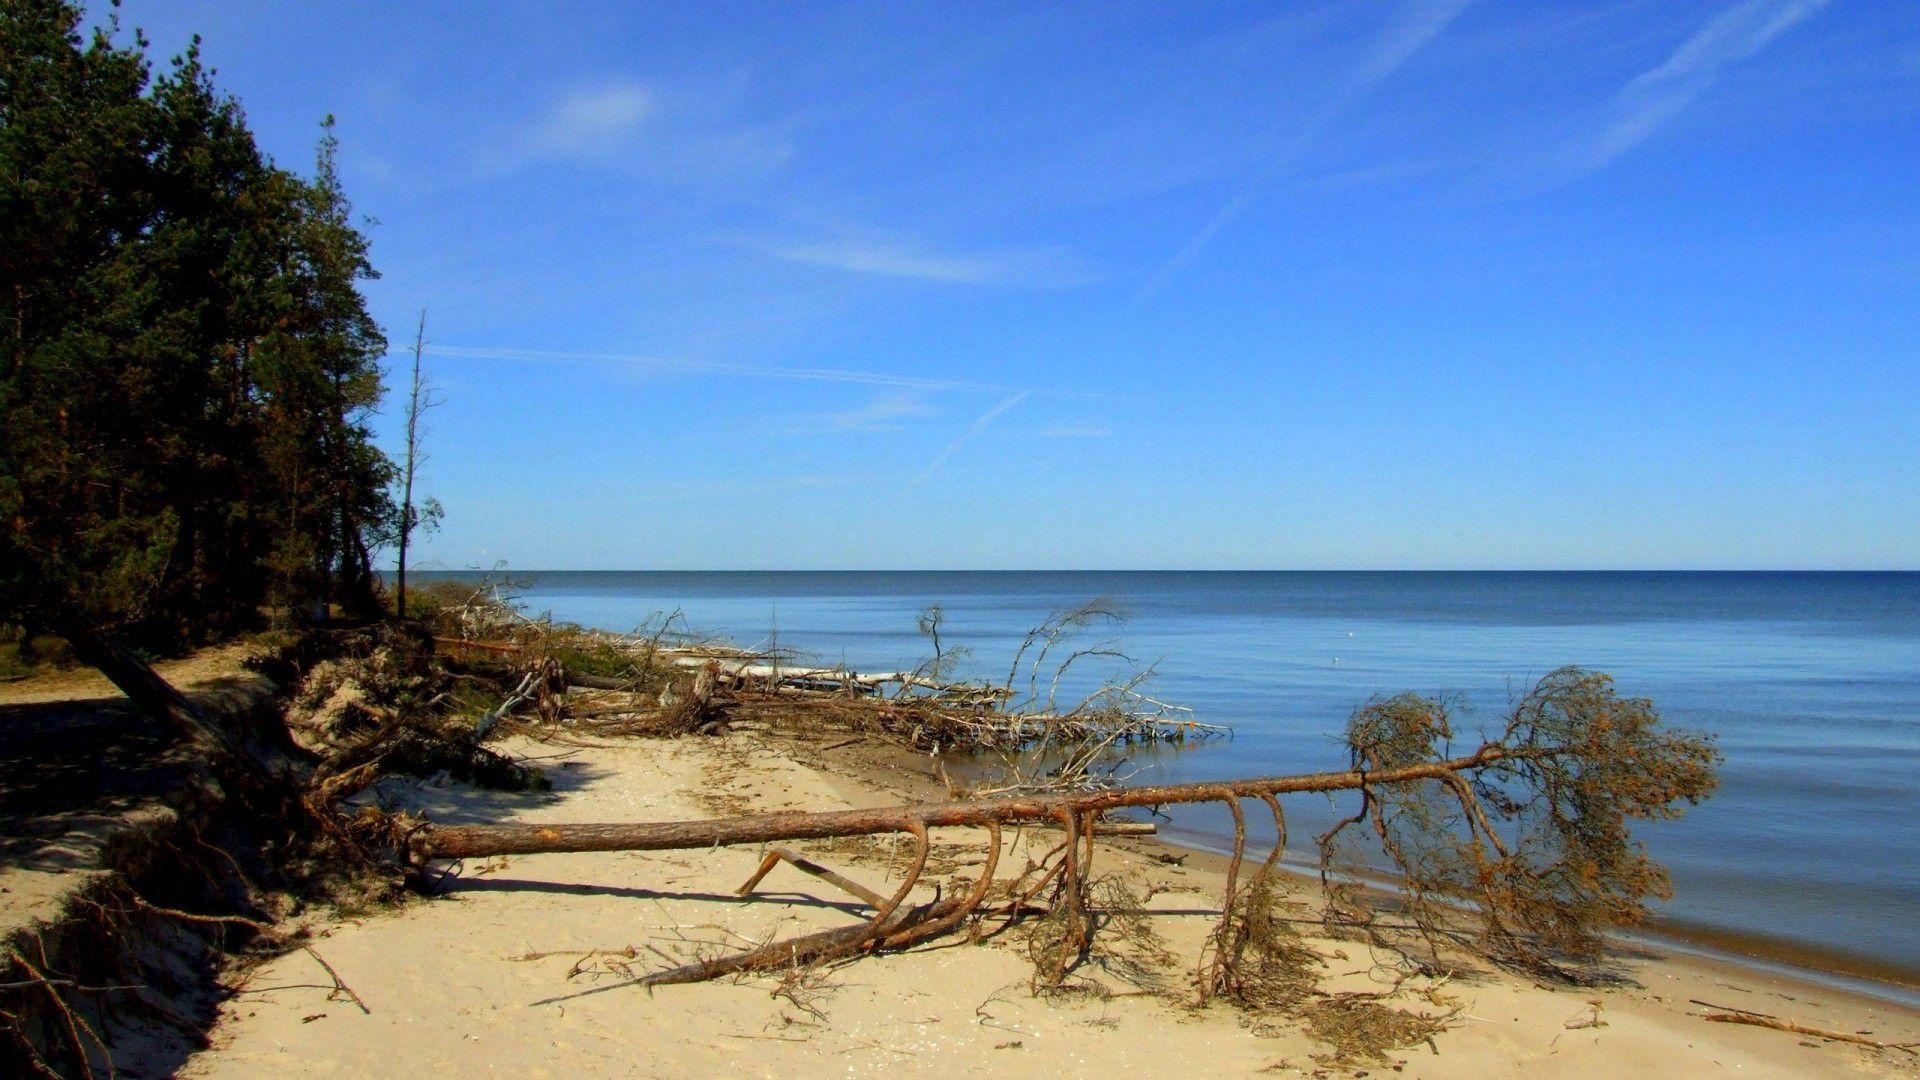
(685, 540)
(499, 974)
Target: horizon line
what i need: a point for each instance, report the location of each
(1182, 570)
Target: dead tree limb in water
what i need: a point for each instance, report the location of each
(1529, 833)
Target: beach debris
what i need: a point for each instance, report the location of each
(659, 682)
(776, 856)
(1518, 851)
(1755, 1019)
(1588, 1017)
(375, 701)
(1363, 1030)
(340, 991)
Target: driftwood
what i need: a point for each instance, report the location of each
(1066, 869)
(500, 647)
(688, 685)
(807, 866)
(1777, 1024)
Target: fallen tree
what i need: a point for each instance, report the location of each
(225, 750)
(1519, 849)
(485, 841)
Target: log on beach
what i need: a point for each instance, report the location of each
(473, 841)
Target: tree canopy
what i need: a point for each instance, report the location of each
(187, 365)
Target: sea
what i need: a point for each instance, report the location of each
(1810, 850)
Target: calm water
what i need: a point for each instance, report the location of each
(1812, 682)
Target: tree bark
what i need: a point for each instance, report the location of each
(476, 841)
(1777, 1024)
(229, 759)
(417, 402)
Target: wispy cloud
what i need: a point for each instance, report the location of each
(883, 413)
(1647, 103)
(1040, 267)
(1420, 23)
(672, 366)
(974, 431)
(1424, 20)
(693, 134)
(594, 122)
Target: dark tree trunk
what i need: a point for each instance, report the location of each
(226, 755)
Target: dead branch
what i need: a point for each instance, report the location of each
(807, 866)
(339, 985)
(72, 1025)
(1758, 1020)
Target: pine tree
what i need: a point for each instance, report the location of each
(187, 366)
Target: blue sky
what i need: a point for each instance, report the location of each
(1346, 285)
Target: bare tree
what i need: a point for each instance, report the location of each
(419, 399)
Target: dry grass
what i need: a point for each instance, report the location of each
(1362, 1031)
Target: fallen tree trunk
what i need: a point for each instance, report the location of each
(224, 750)
(478, 841)
(1527, 837)
(892, 925)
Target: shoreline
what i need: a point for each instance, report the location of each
(1810, 961)
(447, 980)
(1811, 964)
(1814, 962)
(1747, 661)
(510, 967)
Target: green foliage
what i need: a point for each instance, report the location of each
(23, 653)
(433, 602)
(585, 653)
(186, 363)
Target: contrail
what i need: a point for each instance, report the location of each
(973, 431)
(1657, 96)
(1427, 21)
